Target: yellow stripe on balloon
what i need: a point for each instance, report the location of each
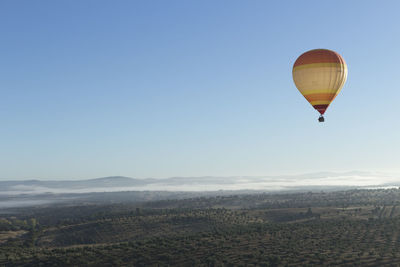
(318, 91)
(319, 65)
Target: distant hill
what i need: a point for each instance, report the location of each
(73, 184)
(312, 181)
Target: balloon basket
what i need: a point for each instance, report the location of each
(321, 119)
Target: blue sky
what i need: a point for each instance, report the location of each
(192, 88)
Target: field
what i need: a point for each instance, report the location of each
(356, 227)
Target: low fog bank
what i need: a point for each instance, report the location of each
(199, 184)
(35, 192)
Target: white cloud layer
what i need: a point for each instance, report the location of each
(267, 183)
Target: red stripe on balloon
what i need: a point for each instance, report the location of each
(321, 108)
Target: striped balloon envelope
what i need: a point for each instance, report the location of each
(319, 75)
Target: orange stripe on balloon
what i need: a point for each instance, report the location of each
(320, 102)
(319, 56)
(320, 97)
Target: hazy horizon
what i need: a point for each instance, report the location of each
(197, 176)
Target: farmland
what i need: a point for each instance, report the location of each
(355, 227)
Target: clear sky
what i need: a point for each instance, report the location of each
(192, 88)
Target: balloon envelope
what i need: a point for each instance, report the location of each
(319, 75)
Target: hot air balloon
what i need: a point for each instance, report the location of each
(319, 75)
